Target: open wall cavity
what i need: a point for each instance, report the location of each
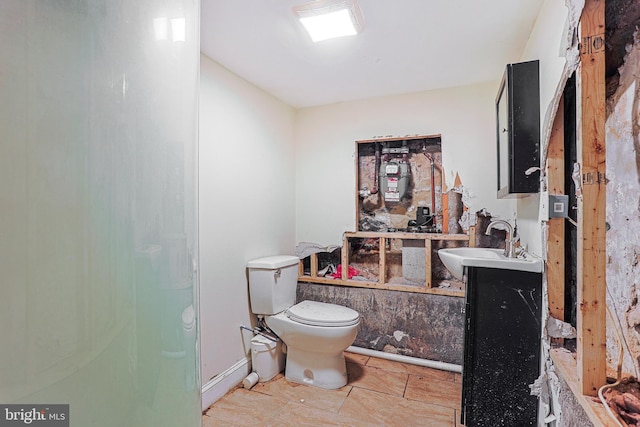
(400, 186)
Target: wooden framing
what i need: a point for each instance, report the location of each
(591, 292)
(399, 138)
(382, 282)
(565, 366)
(556, 226)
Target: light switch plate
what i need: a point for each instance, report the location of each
(553, 206)
(558, 206)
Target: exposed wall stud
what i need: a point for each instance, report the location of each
(591, 313)
(555, 240)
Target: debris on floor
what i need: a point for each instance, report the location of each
(351, 272)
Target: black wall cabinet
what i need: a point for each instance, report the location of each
(503, 311)
(518, 129)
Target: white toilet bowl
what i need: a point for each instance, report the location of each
(316, 335)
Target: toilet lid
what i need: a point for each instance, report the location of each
(322, 314)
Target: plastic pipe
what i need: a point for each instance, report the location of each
(443, 366)
(433, 189)
(619, 378)
(251, 380)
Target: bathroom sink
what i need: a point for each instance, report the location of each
(455, 259)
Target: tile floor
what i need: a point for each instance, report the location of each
(379, 393)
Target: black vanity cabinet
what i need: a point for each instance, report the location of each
(503, 311)
(518, 130)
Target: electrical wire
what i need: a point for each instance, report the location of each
(258, 330)
(614, 313)
(619, 373)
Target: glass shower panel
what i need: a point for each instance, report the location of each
(98, 225)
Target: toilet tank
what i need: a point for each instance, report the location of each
(272, 283)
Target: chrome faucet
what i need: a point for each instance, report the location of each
(509, 251)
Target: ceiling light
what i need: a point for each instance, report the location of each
(327, 19)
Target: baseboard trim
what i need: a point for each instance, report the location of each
(222, 383)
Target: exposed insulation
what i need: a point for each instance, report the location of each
(624, 401)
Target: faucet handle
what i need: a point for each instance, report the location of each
(521, 251)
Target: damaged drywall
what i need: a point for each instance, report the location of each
(424, 203)
(419, 186)
(622, 18)
(419, 325)
(571, 53)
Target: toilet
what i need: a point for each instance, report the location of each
(316, 334)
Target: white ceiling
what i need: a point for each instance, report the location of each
(406, 46)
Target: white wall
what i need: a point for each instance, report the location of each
(547, 43)
(325, 151)
(246, 204)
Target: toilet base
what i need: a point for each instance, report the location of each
(323, 370)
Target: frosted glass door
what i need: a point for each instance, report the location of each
(98, 210)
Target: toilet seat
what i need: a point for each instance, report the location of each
(315, 313)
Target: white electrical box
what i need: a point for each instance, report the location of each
(553, 206)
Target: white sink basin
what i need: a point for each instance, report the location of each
(455, 259)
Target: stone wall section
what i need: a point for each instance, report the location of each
(419, 325)
(623, 212)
